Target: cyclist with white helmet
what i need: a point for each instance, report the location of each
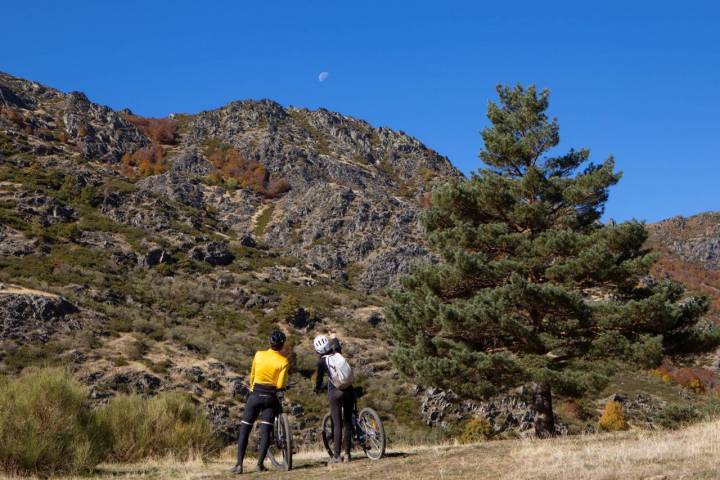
(341, 395)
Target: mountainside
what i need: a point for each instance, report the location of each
(690, 249)
(353, 190)
(158, 254)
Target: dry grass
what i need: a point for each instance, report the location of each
(692, 453)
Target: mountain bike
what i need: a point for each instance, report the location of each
(281, 441)
(367, 431)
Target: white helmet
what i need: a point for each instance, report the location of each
(321, 344)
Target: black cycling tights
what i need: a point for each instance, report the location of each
(266, 406)
(342, 431)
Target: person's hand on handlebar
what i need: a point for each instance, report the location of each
(287, 387)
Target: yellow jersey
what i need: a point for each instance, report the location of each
(269, 367)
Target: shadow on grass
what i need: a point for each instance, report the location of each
(398, 455)
(140, 471)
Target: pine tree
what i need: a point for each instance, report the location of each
(533, 289)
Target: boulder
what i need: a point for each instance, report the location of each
(195, 374)
(32, 315)
(213, 385)
(133, 381)
(14, 243)
(218, 367)
(224, 420)
(155, 256)
(248, 241)
(214, 253)
(238, 387)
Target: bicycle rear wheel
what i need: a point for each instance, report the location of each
(281, 450)
(373, 433)
(327, 434)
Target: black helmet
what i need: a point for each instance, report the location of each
(277, 339)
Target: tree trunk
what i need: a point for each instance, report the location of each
(541, 403)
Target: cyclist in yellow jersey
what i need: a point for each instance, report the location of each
(268, 375)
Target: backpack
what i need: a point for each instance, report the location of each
(339, 371)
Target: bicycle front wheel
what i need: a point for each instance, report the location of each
(373, 433)
(281, 450)
(327, 434)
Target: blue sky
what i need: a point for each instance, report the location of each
(638, 80)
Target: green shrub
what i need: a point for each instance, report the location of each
(287, 309)
(475, 430)
(166, 425)
(676, 415)
(46, 426)
(18, 357)
(137, 349)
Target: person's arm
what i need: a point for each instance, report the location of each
(282, 378)
(251, 378)
(319, 375)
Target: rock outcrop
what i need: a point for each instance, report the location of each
(100, 132)
(27, 315)
(356, 190)
(511, 412)
(695, 239)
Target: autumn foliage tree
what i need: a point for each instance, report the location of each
(534, 290)
(234, 170)
(12, 114)
(159, 130)
(144, 162)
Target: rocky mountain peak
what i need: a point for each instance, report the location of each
(319, 185)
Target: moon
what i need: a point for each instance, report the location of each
(323, 76)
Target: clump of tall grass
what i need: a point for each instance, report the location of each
(166, 425)
(46, 426)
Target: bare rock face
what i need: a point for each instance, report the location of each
(355, 199)
(144, 209)
(183, 182)
(32, 315)
(190, 163)
(99, 131)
